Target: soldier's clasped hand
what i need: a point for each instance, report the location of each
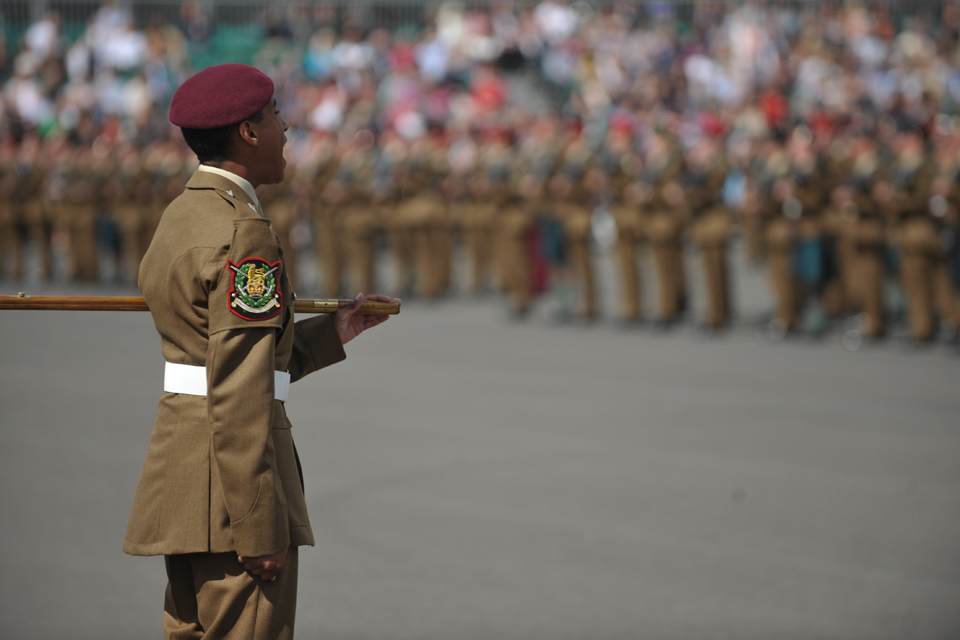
(267, 567)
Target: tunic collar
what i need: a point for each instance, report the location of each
(241, 182)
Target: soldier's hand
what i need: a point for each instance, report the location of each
(267, 567)
(349, 325)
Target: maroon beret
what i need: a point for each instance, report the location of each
(220, 96)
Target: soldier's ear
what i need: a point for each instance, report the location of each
(248, 133)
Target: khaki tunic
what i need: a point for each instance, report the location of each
(221, 472)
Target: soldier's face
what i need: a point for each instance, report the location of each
(271, 131)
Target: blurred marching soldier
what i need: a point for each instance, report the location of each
(419, 219)
(279, 204)
(11, 222)
(663, 221)
(325, 193)
(711, 224)
(794, 246)
(360, 217)
(571, 192)
(515, 223)
(109, 233)
(148, 191)
(421, 222)
(497, 159)
(23, 213)
(129, 210)
(833, 164)
(342, 196)
(78, 213)
(329, 244)
(768, 165)
(947, 186)
(622, 165)
(441, 239)
(942, 205)
(478, 214)
(36, 212)
(905, 199)
(627, 215)
(860, 233)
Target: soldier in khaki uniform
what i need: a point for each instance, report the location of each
(570, 200)
(78, 214)
(360, 219)
(477, 216)
(796, 201)
(855, 221)
(905, 199)
(130, 209)
(422, 228)
(220, 495)
(664, 218)
(11, 224)
(711, 225)
(279, 205)
(514, 225)
(630, 235)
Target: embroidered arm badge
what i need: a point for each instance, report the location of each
(255, 294)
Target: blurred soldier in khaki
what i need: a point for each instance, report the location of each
(630, 235)
(711, 224)
(23, 213)
(664, 217)
(572, 192)
(129, 212)
(793, 237)
(768, 165)
(11, 222)
(905, 200)
(497, 160)
(78, 213)
(858, 227)
(571, 202)
(419, 221)
(279, 205)
(514, 225)
(478, 215)
(329, 244)
(360, 219)
(150, 190)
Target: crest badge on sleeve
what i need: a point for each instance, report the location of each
(255, 294)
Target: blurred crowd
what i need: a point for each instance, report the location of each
(825, 137)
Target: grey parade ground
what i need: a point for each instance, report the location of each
(679, 349)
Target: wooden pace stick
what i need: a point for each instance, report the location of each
(110, 303)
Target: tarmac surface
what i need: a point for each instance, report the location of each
(471, 477)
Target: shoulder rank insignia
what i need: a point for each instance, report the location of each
(255, 294)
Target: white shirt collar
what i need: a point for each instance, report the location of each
(241, 182)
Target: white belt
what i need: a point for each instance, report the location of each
(192, 381)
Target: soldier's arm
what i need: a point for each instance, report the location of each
(240, 362)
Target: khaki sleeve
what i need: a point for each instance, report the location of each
(247, 291)
(316, 345)
(241, 357)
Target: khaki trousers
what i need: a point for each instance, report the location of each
(211, 597)
(359, 230)
(712, 232)
(577, 229)
(786, 288)
(330, 250)
(630, 283)
(515, 265)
